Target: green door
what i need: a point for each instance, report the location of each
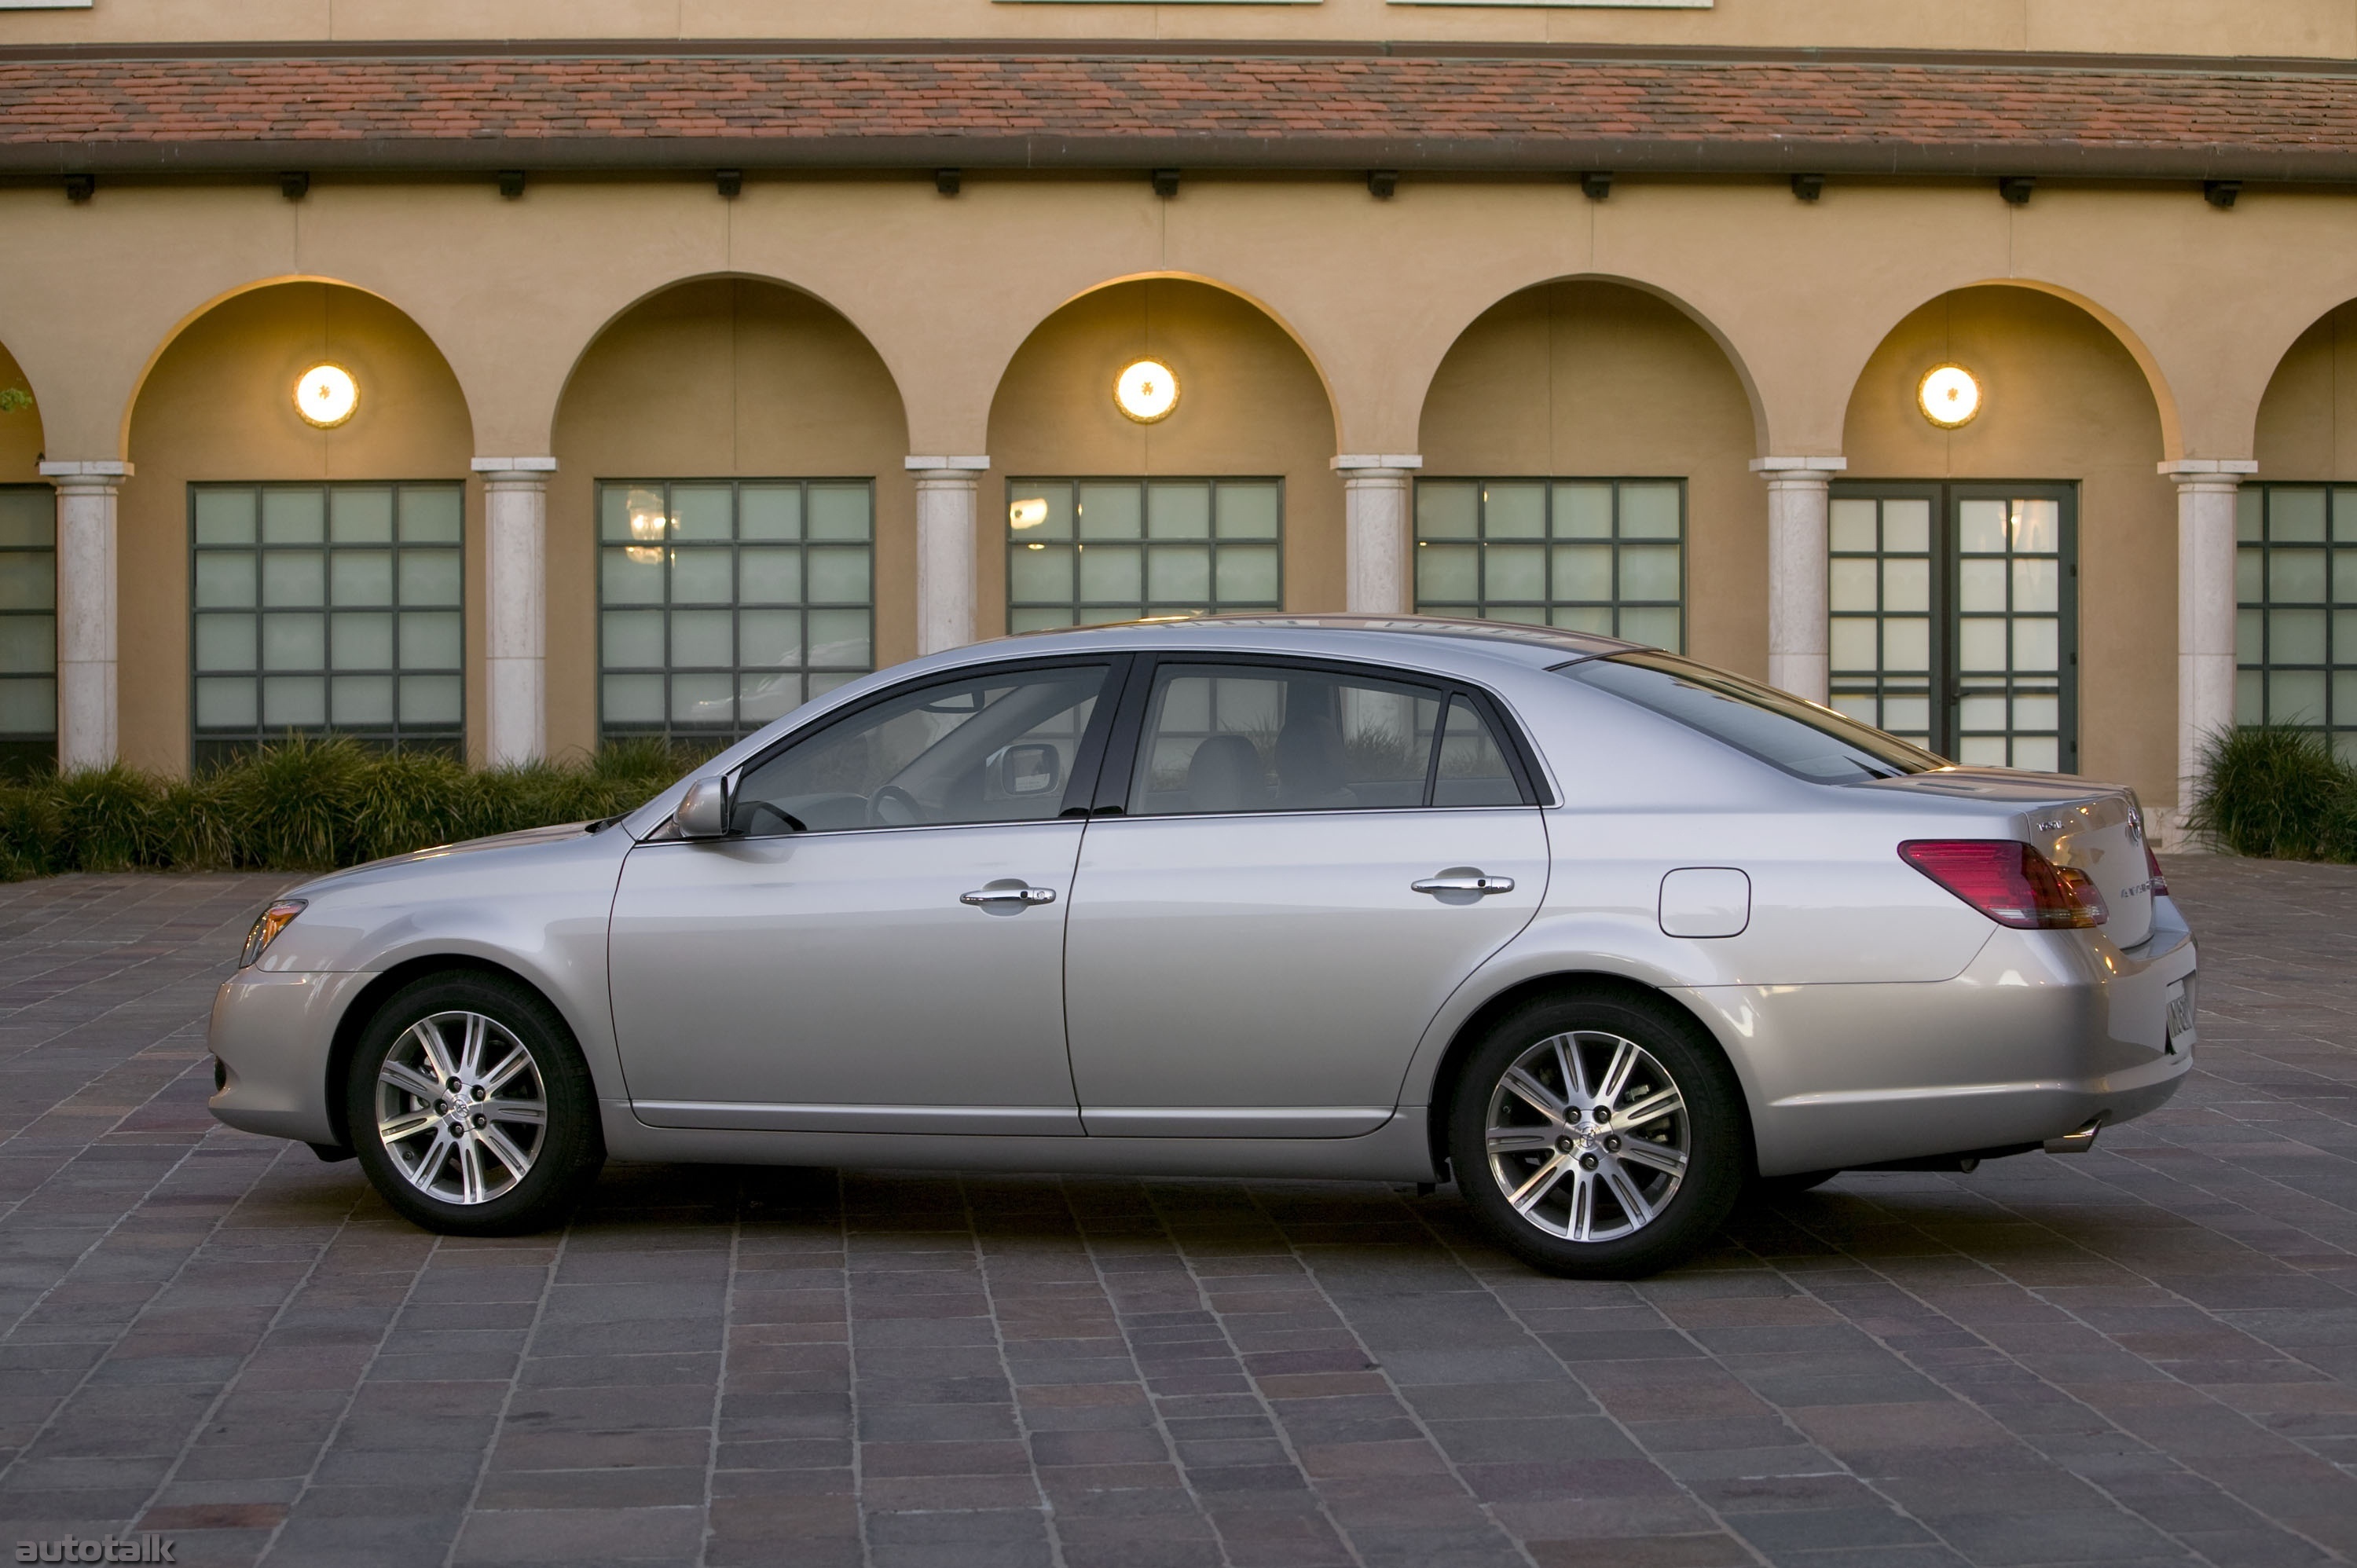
(1955, 618)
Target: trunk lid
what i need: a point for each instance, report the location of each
(2093, 828)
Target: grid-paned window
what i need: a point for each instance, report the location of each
(2296, 629)
(1085, 552)
(328, 609)
(1953, 618)
(1600, 555)
(28, 627)
(723, 603)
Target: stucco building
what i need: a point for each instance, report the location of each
(514, 374)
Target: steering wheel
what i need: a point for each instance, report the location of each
(893, 807)
(794, 824)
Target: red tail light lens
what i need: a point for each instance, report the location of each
(2152, 869)
(2009, 882)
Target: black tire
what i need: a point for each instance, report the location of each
(1551, 1160)
(468, 1141)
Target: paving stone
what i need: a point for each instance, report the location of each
(2147, 1353)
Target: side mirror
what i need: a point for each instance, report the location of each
(1030, 769)
(703, 811)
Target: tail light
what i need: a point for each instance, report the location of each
(2159, 882)
(2009, 882)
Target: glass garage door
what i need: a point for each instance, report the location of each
(1955, 619)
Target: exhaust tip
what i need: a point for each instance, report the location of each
(2080, 1142)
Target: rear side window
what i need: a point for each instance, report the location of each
(1800, 737)
(1247, 737)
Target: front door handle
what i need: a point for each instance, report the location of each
(1479, 884)
(1015, 896)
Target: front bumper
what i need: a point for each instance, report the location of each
(2044, 1031)
(272, 1034)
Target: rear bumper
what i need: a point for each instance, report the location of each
(2043, 1032)
(273, 1033)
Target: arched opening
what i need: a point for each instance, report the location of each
(2296, 642)
(731, 528)
(284, 570)
(28, 580)
(2003, 586)
(1225, 502)
(1587, 450)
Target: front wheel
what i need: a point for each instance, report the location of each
(1599, 1137)
(470, 1108)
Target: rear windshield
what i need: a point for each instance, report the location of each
(1800, 737)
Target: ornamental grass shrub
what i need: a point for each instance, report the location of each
(2277, 793)
(308, 805)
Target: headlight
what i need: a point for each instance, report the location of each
(272, 921)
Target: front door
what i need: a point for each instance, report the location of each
(1300, 866)
(880, 945)
(1955, 618)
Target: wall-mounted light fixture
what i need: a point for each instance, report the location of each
(326, 395)
(1949, 395)
(1146, 391)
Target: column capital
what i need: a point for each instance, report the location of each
(512, 468)
(88, 473)
(2226, 470)
(1361, 462)
(1784, 467)
(975, 465)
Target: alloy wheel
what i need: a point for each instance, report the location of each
(1587, 1135)
(461, 1107)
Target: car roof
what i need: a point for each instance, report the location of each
(1536, 647)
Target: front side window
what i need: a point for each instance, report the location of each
(1597, 555)
(1800, 737)
(1086, 551)
(723, 603)
(1242, 738)
(2296, 629)
(988, 747)
(28, 627)
(326, 609)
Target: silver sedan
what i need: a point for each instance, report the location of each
(1601, 934)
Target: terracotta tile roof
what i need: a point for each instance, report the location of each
(746, 109)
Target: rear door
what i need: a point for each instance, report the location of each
(1295, 868)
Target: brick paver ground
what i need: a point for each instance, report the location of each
(2146, 1355)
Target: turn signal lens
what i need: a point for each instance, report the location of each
(2009, 882)
(267, 928)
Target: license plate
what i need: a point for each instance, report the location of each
(2180, 1017)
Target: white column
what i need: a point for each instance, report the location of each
(1796, 570)
(2206, 597)
(947, 520)
(1375, 506)
(515, 608)
(89, 728)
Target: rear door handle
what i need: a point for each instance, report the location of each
(1000, 897)
(1464, 882)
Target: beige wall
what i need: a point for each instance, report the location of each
(2159, 27)
(2063, 401)
(1250, 405)
(2308, 423)
(1600, 380)
(219, 405)
(723, 378)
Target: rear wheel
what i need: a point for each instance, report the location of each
(1598, 1136)
(470, 1108)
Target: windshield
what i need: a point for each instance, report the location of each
(1800, 737)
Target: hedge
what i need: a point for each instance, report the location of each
(2277, 793)
(308, 805)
